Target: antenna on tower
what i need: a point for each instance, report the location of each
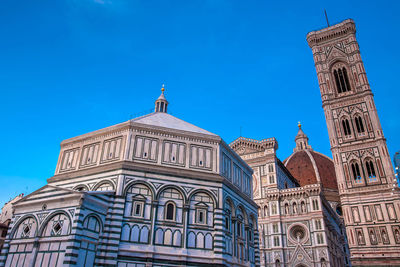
(326, 17)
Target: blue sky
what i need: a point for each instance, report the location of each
(68, 67)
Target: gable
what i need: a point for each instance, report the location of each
(47, 191)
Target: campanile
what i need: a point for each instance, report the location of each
(369, 195)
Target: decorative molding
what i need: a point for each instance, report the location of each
(72, 212)
(157, 185)
(41, 216)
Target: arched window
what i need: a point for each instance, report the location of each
(271, 168)
(359, 124)
(346, 79)
(341, 80)
(271, 179)
(323, 262)
(170, 211)
(346, 127)
(356, 172)
(239, 229)
(370, 168)
(339, 88)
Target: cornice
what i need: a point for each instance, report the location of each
(259, 145)
(347, 100)
(333, 32)
(136, 166)
(96, 135)
(140, 128)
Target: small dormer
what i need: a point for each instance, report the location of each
(161, 103)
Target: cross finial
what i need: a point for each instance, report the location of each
(299, 124)
(163, 88)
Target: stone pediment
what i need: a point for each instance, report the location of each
(46, 191)
(300, 256)
(336, 52)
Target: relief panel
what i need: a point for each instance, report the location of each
(200, 157)
(378, 212)
(360, 236)
(384, 235)
(174, 153)
(356, 214)
(372, 236)
(112, 149)
(145, 148)
(396, 233)
(391, 212)
(69, 160)
(367, 213)
(89, 155)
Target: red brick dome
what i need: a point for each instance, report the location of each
(310, 167)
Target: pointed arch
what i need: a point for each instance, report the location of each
(359, 123)
(339, 73)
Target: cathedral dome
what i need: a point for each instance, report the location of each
(309, 166)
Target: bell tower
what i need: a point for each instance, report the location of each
(369, 197)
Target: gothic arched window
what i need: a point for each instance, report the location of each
(346, 127)
(359, 124)
(346, 79)
(341, 80)
(356, 172)
(370, 168)
(339, 88)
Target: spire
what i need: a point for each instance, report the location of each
(161, 102)
(301, 140)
